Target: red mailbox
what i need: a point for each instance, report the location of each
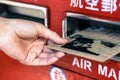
(63, 17)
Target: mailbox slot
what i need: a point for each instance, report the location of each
(74, 23)
(11, 9)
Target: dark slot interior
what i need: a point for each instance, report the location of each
(78, 24)
(5, 12)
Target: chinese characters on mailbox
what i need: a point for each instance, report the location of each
(96, 5)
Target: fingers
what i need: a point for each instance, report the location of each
(43, 62)
(37, 56)
(49, 34)
(35, 50)
(55, 37)
(46, 60)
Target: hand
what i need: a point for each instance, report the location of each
(24, 41)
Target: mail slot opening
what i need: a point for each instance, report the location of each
(76, 22)
(99, 29)
(11, 9)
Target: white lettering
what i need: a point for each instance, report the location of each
(87, 65)
(96, 5)
(80, 4)
(91, 4)
(83, 64)
(112, 74)
(76, 62)
(102, 70)
(109, 5)
(81, 61)
(76, 3)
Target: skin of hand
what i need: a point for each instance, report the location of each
(24, 41)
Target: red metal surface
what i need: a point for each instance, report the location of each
(109, 70)
(57, 9)
(13, 70)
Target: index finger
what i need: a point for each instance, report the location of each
(49, 34)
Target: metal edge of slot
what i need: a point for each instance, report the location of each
(81, 16)
(29, 6)
(64, 28)
(115, 58)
